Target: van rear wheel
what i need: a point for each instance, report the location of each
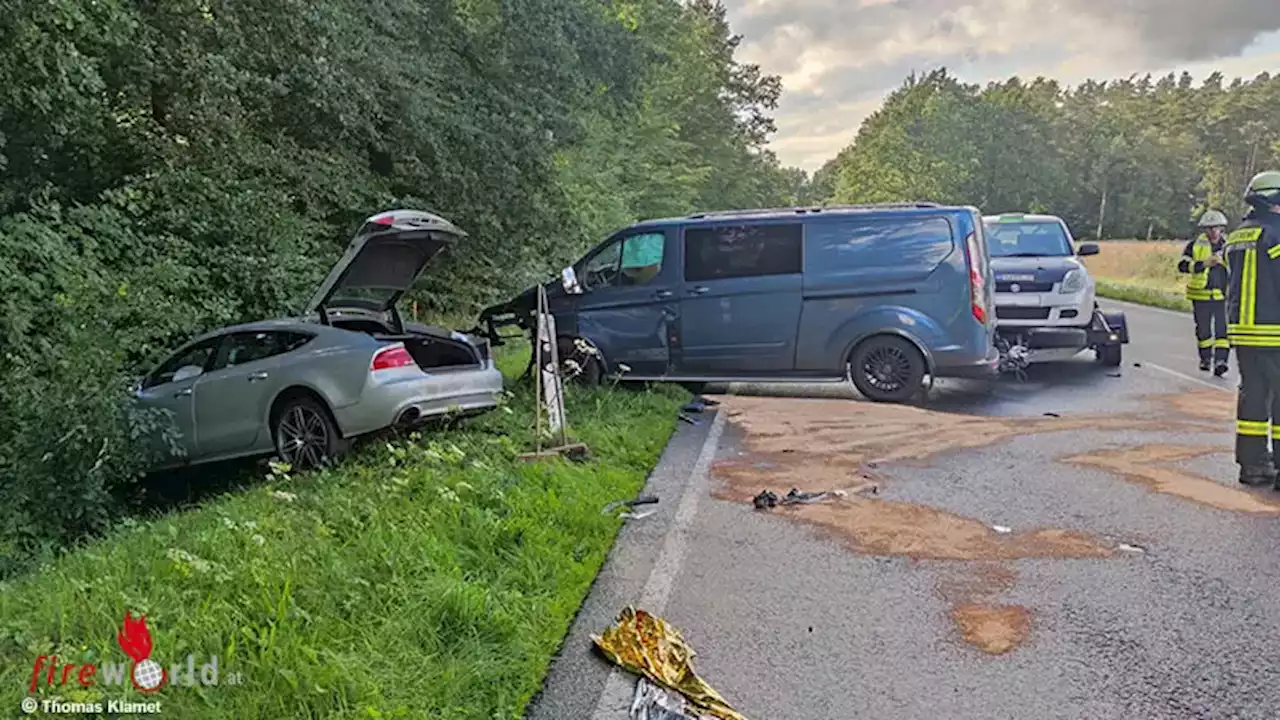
(887, 368)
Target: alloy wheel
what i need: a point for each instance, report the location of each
(302, 437)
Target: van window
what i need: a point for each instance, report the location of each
(718, 253)
(862, 243)
(632, 260)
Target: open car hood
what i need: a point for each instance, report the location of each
(384, 260)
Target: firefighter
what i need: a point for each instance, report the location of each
(1253, 327)
(1202, 259)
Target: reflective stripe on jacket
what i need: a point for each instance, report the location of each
(1253, 293)
(1205, 283)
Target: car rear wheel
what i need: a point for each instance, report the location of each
(887, 368)
(305, 436)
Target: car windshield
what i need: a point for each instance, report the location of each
(1043, 238)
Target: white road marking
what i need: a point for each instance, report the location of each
(1188, 378)
(1123, 303)
(616, 696)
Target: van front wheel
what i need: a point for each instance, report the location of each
(887, 368)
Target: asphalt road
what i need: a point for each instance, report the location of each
(1070, 547)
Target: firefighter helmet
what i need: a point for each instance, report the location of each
(1263, 190)
(1213, 218)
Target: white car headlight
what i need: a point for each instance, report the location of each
(1073, 282)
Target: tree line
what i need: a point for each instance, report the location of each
(171, 167)
(1139, 157)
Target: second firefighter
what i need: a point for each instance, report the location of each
(1202, 259)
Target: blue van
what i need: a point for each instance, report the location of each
(879, 295)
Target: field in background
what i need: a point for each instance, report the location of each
(1140, 271)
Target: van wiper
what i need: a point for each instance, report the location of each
(1021, 255)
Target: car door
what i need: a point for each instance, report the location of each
(231, 399)
(629, 302)
(169, 390)
(741, 298)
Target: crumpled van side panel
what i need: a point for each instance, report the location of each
(900, 273)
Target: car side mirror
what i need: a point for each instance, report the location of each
(569, 281)
(186, 372)
(1087, 249)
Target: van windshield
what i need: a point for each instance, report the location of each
(1027, 239)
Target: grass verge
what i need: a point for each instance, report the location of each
(1142, 295)
(429, 577)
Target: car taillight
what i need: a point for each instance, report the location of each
(977, 281)
(391, 356)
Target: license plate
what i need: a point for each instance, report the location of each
(1018, 300)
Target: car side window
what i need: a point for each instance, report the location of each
(247, 347)
(719, 253)
(198, 355)
(632, 260)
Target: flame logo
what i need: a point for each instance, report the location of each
(147, 675)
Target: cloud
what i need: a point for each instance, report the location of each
(839, 58)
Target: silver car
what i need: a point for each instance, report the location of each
(303, 387)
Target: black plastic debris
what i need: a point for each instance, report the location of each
(766, 499)
(688, 419)
(693, 407)
(642, 500)
(1052, 414)
(1114, 375)
(1137, 364)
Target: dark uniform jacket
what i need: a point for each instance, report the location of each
(1253, 291)
(1206, 283)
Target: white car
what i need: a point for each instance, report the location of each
(1046, 308)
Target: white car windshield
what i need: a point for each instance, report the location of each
(1028, 239)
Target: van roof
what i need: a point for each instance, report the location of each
(804, 211)
(1021, 217)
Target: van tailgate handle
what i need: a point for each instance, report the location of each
(699, 290)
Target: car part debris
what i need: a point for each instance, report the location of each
(1002, 529)
(653, 702)
(1114, 375)
(1131, 548)
(635, 516)
(1051, 414)
(688, 419)
(766, 499)
(1015, 358)
(642, 500)
(647, 646)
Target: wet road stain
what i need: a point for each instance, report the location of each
(1143, 465)
(872, 526)
(994, 629)
(820, 444)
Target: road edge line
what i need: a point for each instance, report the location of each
(1187, 377)
(657, 589)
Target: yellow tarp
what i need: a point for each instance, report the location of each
(648, 646)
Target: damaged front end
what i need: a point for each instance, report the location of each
(521, 310)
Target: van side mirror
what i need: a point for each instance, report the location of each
(1087, 249)
(569, 281)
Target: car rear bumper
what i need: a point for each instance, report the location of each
(418, 396)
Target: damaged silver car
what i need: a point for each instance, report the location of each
(304, 387)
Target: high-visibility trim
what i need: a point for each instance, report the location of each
(1249, 288)
(1244, 235)
(1275, 432)
(1222, 343)
(1273, 252)
(1253, 341)
(1253, 428)
(1242, 329)
(1200, 294)
(1206, 344)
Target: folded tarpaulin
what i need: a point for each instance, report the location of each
(648, 646)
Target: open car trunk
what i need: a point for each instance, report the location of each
(431, 347)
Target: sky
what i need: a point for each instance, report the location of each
(839, 58)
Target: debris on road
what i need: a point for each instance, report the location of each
(768, 499)
(653, 702)
(647, 646)
(1131, 548)
(642, 500)
(1114, 375)
(1052, 414)
(1002, 529)
(636, 516)
(688, 419)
